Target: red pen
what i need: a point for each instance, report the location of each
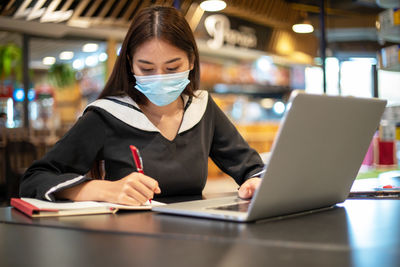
(137, 159)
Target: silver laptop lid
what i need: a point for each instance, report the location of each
(318, 151)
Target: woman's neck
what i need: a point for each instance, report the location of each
(167, 110)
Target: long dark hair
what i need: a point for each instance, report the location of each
(161, 22)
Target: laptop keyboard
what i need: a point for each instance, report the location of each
(241, 207)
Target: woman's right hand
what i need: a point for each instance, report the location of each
(134, 189)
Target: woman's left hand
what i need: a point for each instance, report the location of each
(249, 187)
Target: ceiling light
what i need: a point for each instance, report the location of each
(303, 27)
(78, 64)
(48, 60)
(267, 103)
(90, 47)
(264, 64)
(103, 57)
(91, 61)
(279, 107)
(212, 5)
(66, 55)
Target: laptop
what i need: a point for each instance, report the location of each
(315, 158)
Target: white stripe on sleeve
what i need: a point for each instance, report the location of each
(61, 185)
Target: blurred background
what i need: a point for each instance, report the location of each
(56, 55)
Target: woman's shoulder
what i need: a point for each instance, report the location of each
(124, 109)
(201, 94)
(112, 103)
(199, 101)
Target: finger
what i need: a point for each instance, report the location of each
(244, 195)
(139, 197)
(127, 200)
(244, 191)
(142, 188)
(249, 187)
(151, 183)
(157, 190)
(254, 183)
(131, 192)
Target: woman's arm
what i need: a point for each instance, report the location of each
(134, 189)
(60, 174)
(232, 154)
(66, 164)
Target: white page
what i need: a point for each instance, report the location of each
(145, 205)
(43, 204)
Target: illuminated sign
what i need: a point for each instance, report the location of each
(219, 30)
(219, 27)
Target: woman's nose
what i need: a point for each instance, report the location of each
(160, 71)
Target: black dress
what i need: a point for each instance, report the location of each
(109, 126)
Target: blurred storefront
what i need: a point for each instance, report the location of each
(248, 79)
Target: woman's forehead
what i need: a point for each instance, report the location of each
(158, 50)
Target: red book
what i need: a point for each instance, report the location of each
(42, 208)
(28, 208)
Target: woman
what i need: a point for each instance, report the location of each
(151, 101)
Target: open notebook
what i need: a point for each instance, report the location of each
(42, 208)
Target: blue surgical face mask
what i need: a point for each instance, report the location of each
(162, 89)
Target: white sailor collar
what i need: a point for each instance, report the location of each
(126, 110)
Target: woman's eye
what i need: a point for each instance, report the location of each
(146, 70)
(172, 69)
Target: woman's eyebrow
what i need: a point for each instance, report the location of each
(173, 60)
(166, 62)
(145, 61)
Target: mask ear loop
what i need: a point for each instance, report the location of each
(131, 69)
(130, 64)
